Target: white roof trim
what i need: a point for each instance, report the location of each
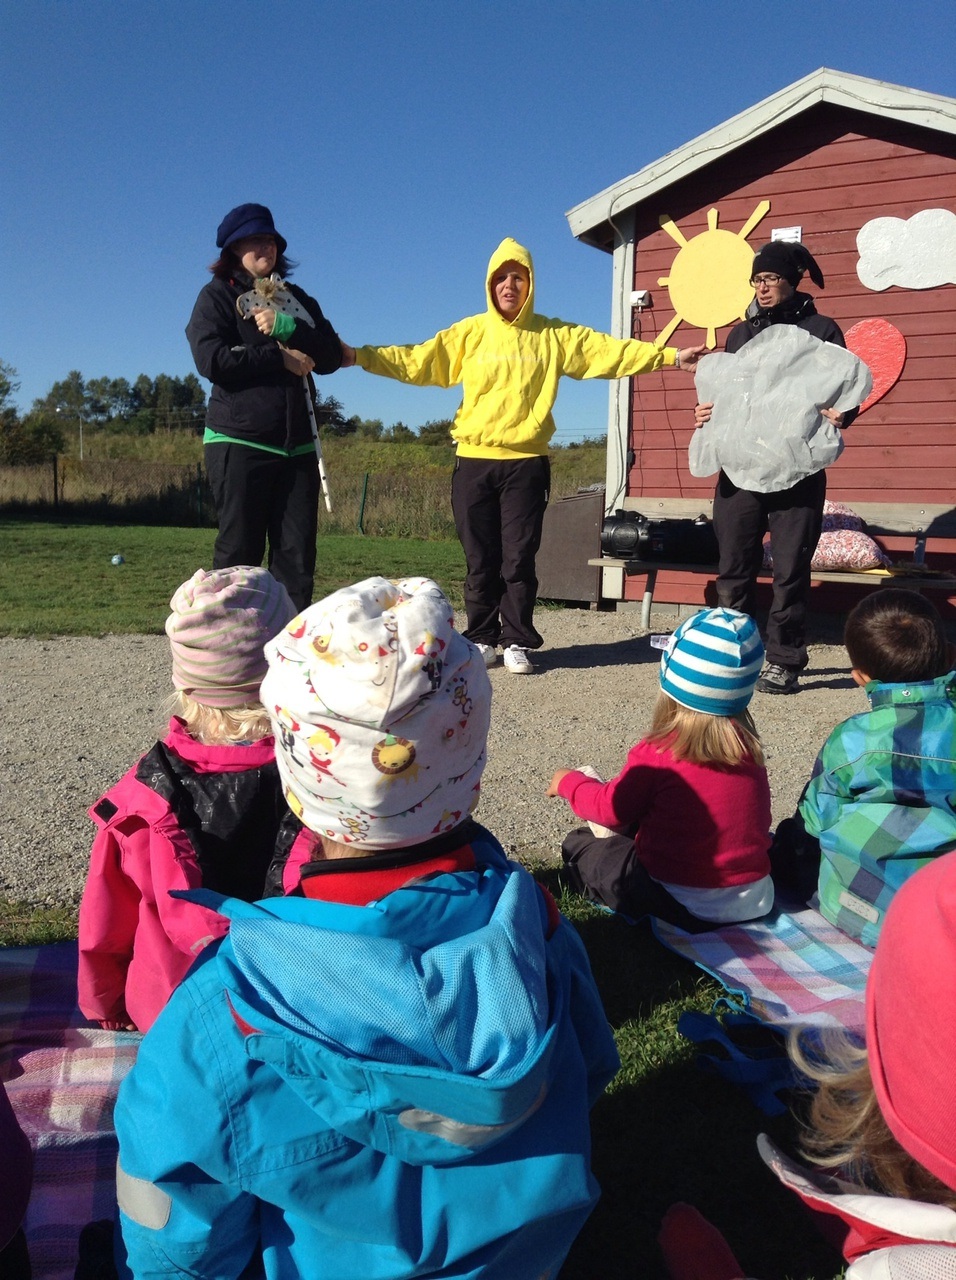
(914, 106)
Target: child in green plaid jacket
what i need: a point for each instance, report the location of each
(881, 801)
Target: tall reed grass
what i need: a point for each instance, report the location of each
(386, 490)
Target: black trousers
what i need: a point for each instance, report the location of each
(499, 510)
(795, 859)
(606, 869)
(262, 496)
(794, 518)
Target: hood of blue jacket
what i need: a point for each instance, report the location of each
(423, 1024)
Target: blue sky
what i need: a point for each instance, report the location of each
(396, 144)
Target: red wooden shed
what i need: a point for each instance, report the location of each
(864, 173)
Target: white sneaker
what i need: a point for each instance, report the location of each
(517, 660)
(489, 653)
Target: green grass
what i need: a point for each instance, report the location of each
(57, 579)
(26, 926)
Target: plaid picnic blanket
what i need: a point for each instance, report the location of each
(788, 969)
(61, 1077)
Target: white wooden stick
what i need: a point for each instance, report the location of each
(323, 479)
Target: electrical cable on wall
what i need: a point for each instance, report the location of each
(622, 443)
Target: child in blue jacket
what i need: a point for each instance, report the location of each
(388, 1073)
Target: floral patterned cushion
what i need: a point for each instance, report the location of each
(843, 545)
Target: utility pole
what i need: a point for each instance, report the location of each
(79, 418)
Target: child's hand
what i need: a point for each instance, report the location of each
(702, 413)
(116, 1024)
(348, 355)
(552, 790)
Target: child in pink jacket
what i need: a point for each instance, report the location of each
(202, 808)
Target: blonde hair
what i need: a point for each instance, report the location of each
(723, 742)
(844, 1129)
(221, 725)
(331, 849)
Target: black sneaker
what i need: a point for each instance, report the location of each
(777, 680)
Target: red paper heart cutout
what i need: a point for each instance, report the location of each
(882, 348)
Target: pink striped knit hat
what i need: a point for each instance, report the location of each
(217, 628)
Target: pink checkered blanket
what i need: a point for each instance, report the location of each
(61, 1076)
(789, 969)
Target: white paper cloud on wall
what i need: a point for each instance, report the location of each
(912, 253)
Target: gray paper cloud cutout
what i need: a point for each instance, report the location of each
(766, 430)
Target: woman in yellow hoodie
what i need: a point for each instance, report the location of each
(508, 360)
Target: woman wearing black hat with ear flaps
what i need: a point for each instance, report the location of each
(794, 516)
(260, 456)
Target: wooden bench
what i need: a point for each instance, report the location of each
(911, 521)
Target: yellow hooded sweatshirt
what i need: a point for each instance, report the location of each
(509, 369)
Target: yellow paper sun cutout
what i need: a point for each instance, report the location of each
(708, 284)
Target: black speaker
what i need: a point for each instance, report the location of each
(629, 535)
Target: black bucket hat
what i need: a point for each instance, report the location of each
(247, 220)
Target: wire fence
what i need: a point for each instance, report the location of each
(394, 504)
(123, 491)
(408, 502)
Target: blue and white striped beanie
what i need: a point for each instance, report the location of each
(713, 661)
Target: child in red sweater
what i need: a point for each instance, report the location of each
(689, 814)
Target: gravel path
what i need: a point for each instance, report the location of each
(76, 713)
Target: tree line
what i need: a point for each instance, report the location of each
(161, 404)
(102, 404)
(149, 405)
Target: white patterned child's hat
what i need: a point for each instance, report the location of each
(381, 711)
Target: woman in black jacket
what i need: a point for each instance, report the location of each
(260, 456)
(794, 516)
